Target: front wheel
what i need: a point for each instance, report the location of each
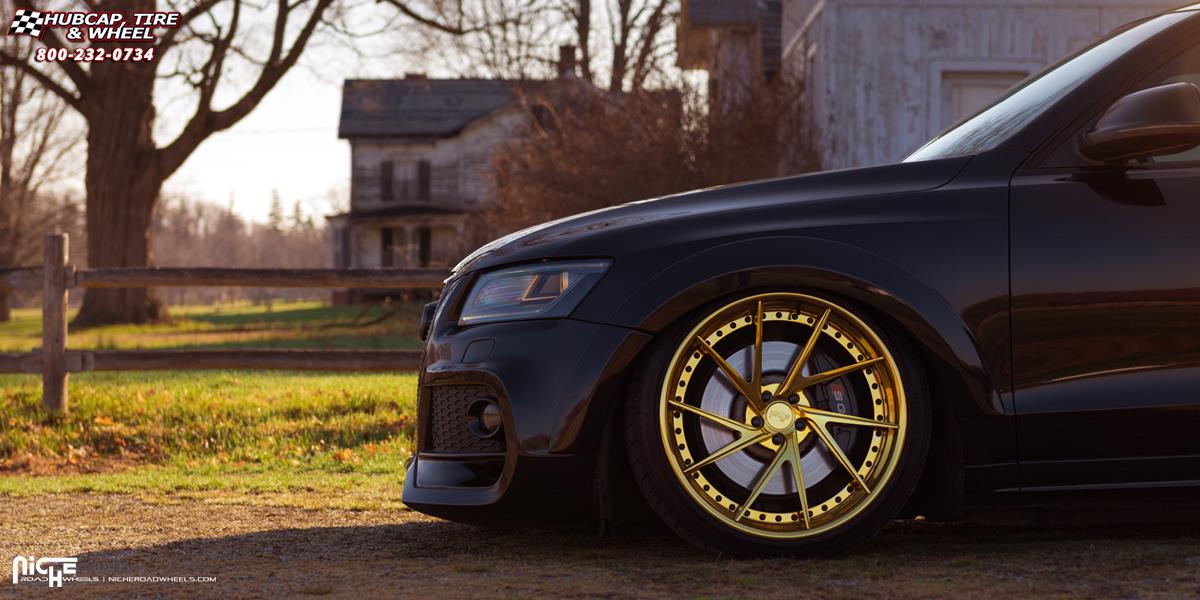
(779, 423)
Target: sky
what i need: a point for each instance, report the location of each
(288, 145)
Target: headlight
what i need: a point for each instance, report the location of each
(531, 291)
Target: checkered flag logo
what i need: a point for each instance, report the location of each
(28, 22)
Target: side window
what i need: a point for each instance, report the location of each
(1184, 68)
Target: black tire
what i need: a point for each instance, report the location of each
(666, 495)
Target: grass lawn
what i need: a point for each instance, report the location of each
(299, 439)
(244, 325)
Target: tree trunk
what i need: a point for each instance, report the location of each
(123, 180)
(118, 235)
(5, 307)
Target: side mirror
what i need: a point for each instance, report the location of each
(1159, 120)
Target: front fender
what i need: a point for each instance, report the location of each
(814, 264)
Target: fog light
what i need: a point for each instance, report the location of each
(483, 418)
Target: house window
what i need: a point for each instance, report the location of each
(387, 248)
(424, 177)
(424, 246)
(387, 172)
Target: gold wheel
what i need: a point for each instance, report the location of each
(782, 415)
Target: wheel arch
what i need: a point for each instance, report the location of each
(866, 279)
(953, 363)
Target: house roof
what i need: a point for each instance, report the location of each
(422, 107)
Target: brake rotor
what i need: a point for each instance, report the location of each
(721, 397)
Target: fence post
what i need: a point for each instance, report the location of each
(54, 323)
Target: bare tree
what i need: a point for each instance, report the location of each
(518, 39)
(641, 145)
(34, 145)
(125, 165)
(625, 147)
(511, 39)
(634, 30)
(580, 13)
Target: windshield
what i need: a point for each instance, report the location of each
(1024, 103)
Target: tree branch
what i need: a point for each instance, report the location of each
(643, 62)
(583, 32)
(459, 29)
(206, 121)
(168, 38)
(45, 80)
(73, 70)
(216, 61)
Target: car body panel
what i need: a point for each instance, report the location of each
(680, 252)
(1106, 304)
(1106, 325)
(588, 234)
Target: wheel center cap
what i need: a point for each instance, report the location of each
(778, 416)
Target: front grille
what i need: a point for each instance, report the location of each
(446, 426)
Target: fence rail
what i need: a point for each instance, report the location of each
(32, 277)
(56, 277)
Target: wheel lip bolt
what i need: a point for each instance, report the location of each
(756, 422)
(794, 399)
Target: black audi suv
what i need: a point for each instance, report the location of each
(1006, 323)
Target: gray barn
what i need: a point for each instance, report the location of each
(884, 76)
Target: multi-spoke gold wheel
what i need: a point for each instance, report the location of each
(782, 415)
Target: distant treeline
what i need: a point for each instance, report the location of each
(199, 234)
(189, 233)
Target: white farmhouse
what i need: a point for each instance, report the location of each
(420, 151)
(884, 76)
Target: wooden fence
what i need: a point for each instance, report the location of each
(56, 277)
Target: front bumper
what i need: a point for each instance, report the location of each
(556, 382)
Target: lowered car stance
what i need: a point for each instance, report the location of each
(1007, 323)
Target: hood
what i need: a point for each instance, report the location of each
(557, 238)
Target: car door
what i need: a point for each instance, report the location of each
(1105, 277)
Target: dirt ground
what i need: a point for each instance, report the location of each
(266, 552)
